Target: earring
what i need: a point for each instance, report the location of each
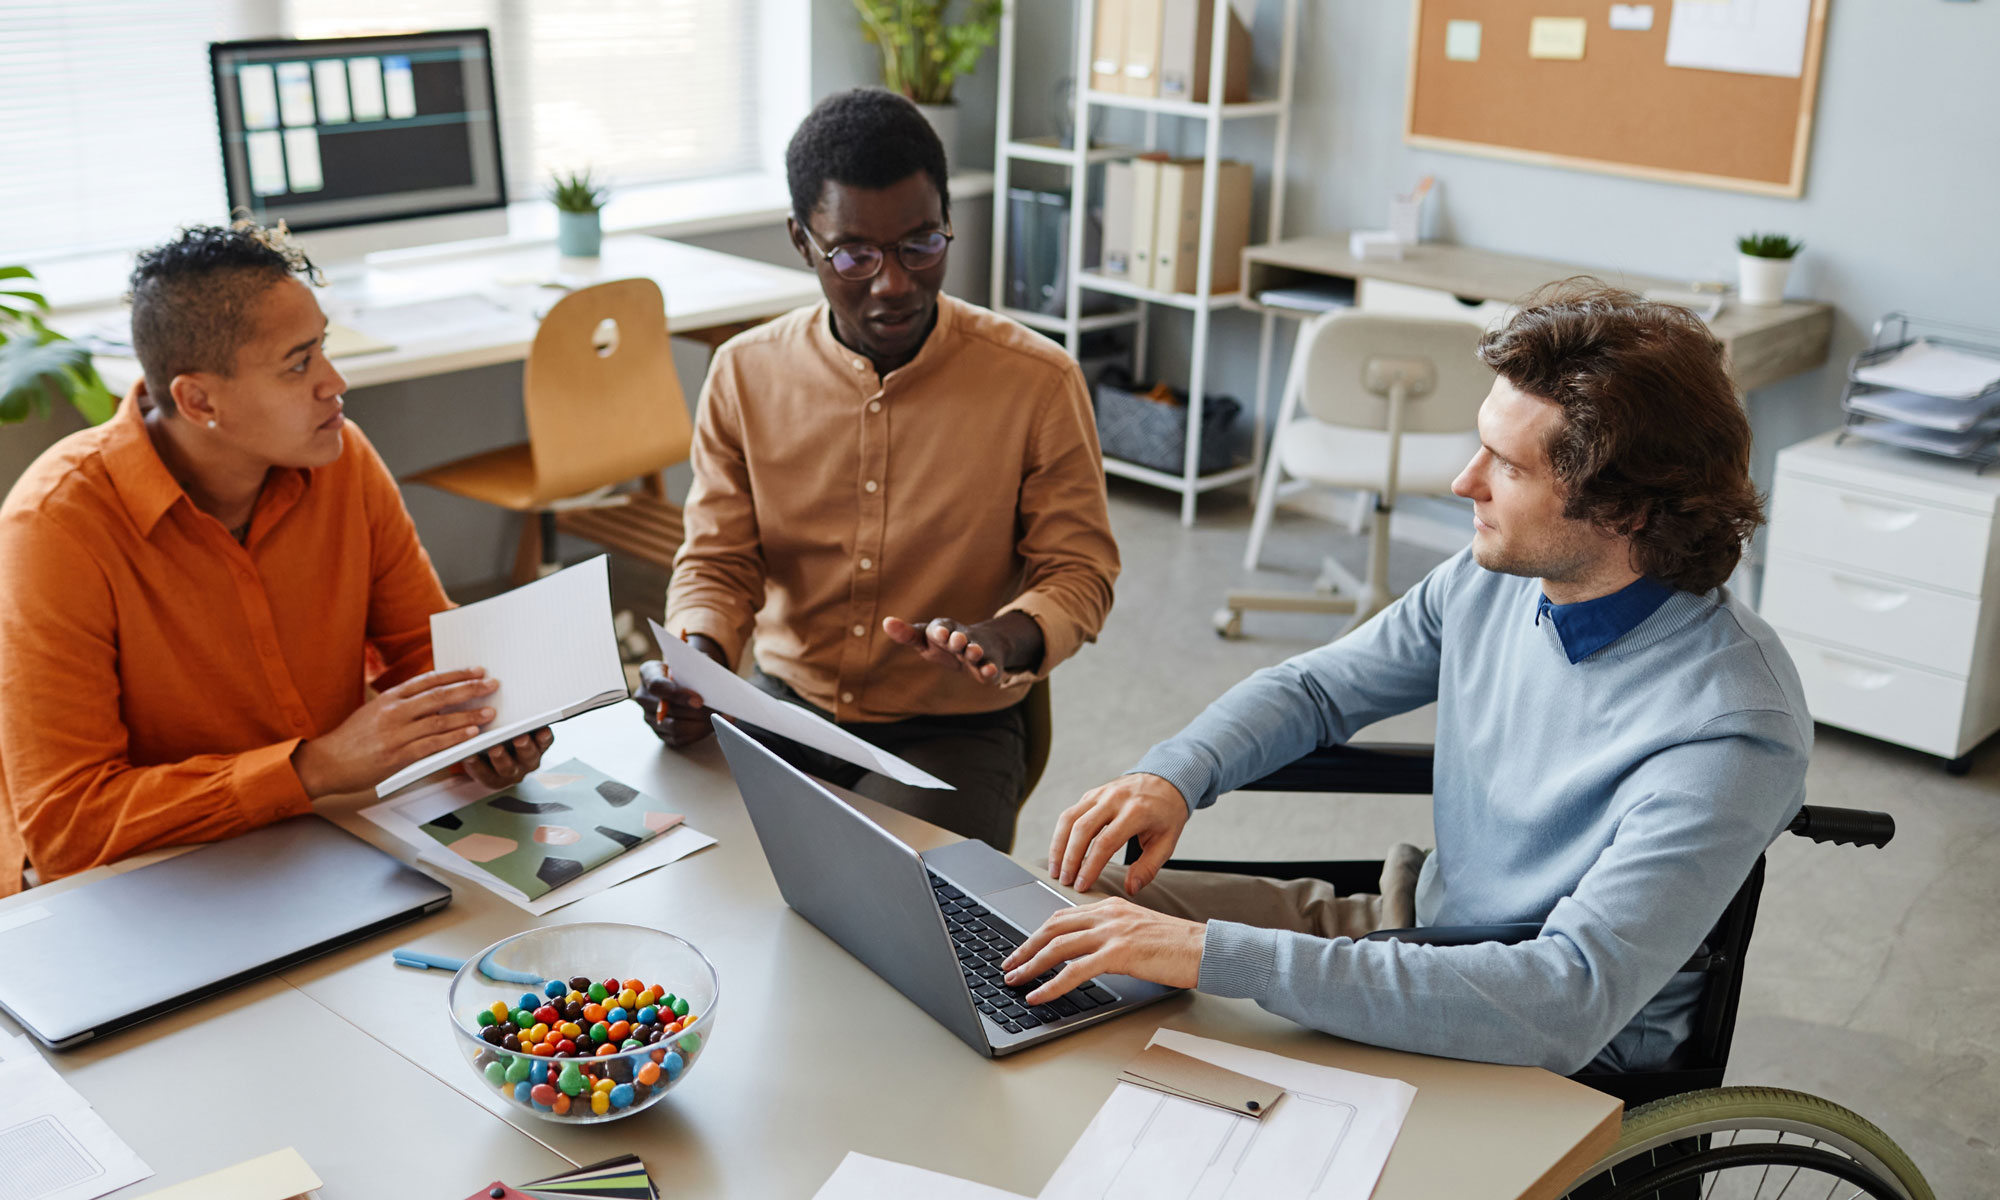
(211, 424)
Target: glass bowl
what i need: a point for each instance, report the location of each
(606, 1072)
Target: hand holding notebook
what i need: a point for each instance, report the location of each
(550, 645)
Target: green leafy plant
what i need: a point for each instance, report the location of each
(39, 366)
(923, 54)
(577, 192)
(1768, 245)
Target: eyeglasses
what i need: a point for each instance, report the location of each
(861, 261)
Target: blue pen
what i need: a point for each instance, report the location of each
(406, 957)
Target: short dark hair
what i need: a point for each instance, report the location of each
(863, 137)
(1654, 443)
(191, 298)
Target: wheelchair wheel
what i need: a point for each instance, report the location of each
(1750, 1143)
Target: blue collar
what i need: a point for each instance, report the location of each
(1590, 625)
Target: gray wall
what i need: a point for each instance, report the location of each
(1898, 211)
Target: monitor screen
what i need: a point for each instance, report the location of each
(350, 131)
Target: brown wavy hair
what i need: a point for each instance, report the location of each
(1653, 445)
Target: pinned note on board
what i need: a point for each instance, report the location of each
(1635, 17)
(1556, 37)
(1461, 41)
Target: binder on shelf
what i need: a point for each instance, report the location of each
(1142, 47)
(1107, 54)
(1177, 232)
(1052, 249)
(1145, 215)
(1117, 261)
(1020, 240)
(1187, 37)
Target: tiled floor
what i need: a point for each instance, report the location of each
(1874, 979)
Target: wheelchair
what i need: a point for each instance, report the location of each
(1685, 1135)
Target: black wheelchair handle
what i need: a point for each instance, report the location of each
(1843, 826)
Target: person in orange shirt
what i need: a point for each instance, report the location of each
(194, 587)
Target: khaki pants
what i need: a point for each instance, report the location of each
(1295, 905)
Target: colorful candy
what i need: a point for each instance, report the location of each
(586, 1048)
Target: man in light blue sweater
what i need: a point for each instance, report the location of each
(1619, 736)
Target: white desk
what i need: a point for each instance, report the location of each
(811, 1055)
(503, 303)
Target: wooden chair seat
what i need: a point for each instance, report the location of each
(503, 477)
(645, 526)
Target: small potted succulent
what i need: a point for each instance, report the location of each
(924, 54)
(578, 197)
(1762, 263)
(39, 366)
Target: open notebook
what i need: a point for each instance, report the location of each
(551, 645)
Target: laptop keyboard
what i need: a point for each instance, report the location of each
(983, 941)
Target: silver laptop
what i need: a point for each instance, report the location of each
(936, 925)
(166, 935)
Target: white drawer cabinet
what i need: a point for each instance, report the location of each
(1883, 578)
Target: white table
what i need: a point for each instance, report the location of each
(811, 1055)
(457, 309)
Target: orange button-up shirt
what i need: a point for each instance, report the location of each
(964, 484)
(156, 674)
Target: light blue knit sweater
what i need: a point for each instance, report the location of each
(1619, 801)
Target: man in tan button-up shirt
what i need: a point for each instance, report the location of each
(899, 493)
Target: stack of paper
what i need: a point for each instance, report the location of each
(1934, 370)
(53, 1145)
(423, 819)
(551, 646)
(1929, 397)
(281, 1175)
(1198, 1119)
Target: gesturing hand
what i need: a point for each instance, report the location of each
(675, 712)
(1116, 937)
(979, 650)
(1096, 827)
(410, 721)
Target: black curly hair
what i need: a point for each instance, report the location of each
(863, 137)
(191, 298)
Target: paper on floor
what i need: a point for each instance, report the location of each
(1327, 1138)
(405, 815)
(53, 1145)
(859, 1177)
(732, 695)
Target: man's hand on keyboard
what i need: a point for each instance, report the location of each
(1116, 937)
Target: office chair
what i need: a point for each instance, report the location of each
(1683, 1129)
(1375, 404)
(604, 408)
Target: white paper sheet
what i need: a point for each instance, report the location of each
(257, 86)
(53, 1145)
(364, 88)
(1326, 1139)
(302, 160)
(1635, 17)
(1934, 370)
(295, 93)
(859, 1177)
(551, 645)
(399, 86)
(1749, 37)
(730, 694)
(330, 89)
(279, 1175)
(404, 816)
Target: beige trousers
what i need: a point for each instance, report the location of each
(1296, 905)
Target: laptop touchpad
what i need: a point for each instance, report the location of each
(1027, 905)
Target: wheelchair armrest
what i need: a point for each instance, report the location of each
(1459, 935)
(1389, 768)
(1843, 826)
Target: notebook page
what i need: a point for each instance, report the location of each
(549, 643)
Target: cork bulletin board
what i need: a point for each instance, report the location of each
(1618, 109)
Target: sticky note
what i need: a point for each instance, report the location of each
(1632, 16)
(1556, 37)
(1461, 41)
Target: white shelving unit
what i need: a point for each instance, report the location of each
(1079, 158)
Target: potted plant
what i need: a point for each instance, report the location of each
(1762, 263)
(924, 54)
(578, 197)
(38, 365)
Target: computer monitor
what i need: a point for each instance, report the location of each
(363, 143)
